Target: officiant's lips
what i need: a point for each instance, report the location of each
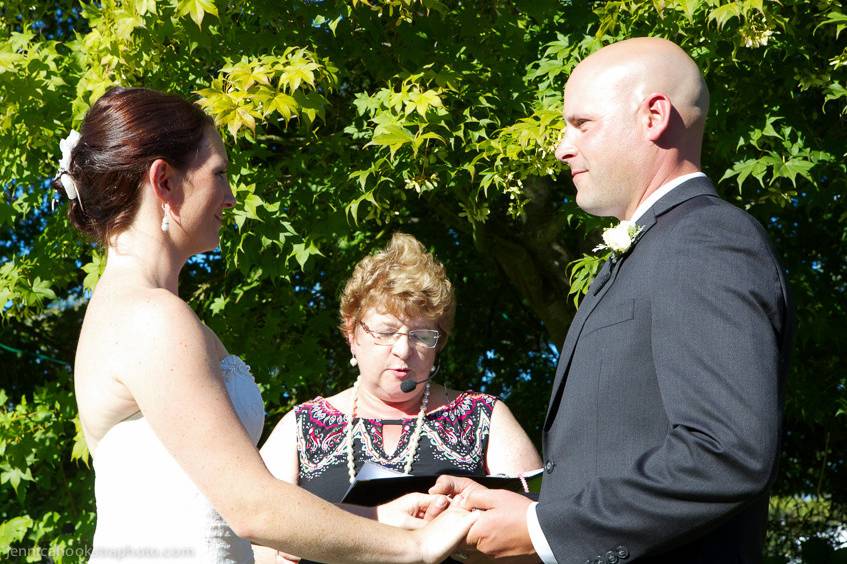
(401, 373)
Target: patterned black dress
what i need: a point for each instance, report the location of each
(453, 441)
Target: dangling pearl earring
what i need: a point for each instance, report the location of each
(354, 361)
(166, 218)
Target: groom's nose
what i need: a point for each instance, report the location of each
(565, 149)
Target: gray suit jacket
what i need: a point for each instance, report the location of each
(664, 423)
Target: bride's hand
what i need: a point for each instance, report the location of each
(442, 535)
(411, 511)
(285, 558)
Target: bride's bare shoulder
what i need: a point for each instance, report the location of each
(128, 306)
(132, 322)
(128, 335)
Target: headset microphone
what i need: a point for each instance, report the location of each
(407, 386)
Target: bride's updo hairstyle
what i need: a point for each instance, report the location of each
(122, 134)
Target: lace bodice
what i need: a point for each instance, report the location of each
(148, 508)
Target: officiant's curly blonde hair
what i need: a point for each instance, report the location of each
(404, 280)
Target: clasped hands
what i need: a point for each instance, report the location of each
(500, 530)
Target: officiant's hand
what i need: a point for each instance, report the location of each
(453, 486)
(412, 511)
(501, 529)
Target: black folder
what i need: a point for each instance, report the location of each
(372, 491)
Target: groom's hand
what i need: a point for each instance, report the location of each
(501, 528)
(452, 486)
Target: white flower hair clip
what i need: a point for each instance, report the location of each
(67, 145)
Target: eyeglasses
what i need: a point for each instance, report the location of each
(420, 338)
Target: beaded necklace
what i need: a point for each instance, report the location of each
(413, 442)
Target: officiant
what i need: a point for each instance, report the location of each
(397, 312)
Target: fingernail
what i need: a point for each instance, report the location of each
(441, 501)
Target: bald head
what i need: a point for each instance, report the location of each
(635, 113)
(636, 68)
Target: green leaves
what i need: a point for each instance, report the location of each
(13, 531)
(265, 236)
(723, 14)
(197, 9)
(404, 10)
(394, 136)
(21, 292)
(254, 90)
(302, 252)
(783, 153)
(13, 51)
(391, 135)
(352, 209)
(93, 270)
(80, 449)
(299, 68)
(38, 475)
(581, 272)
(836, 18)
(143, 7)
(836, 91)
(14, 476)
(421, 102)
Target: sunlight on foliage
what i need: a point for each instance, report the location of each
(289, 86)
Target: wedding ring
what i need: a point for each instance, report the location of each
(461, 556)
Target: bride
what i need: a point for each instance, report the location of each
(170, 417)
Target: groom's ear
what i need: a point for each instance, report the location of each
(655, 115)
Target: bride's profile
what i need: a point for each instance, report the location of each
(171, 418)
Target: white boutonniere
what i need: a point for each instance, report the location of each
(619, 238)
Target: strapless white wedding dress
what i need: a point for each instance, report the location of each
(147, 507)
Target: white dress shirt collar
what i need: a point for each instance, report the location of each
(661, 191)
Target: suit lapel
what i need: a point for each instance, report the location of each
(601, 284)
(699, 186)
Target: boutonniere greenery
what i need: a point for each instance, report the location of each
(617, 241)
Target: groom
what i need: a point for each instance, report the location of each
(664, 422)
